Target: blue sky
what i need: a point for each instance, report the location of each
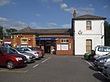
(47, 14)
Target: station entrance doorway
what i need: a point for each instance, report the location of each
(49, 46)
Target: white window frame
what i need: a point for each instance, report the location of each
(88, 24)
(64, 40)
(22, 42)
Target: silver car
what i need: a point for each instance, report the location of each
(30, 57)
(36, 53)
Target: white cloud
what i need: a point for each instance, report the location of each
(4, 2)
(85, 10)
(34, 25)
(7, 23)
(4, 19)
(105, 6)
(90, 5)
(57, 0)
(66, 26)
(21, 23)
(38, 15)
(63, 5)
(70, 10)
(80, 11)
(52, 24)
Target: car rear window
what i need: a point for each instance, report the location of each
(104, 49)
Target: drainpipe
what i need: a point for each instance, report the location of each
(73, 32)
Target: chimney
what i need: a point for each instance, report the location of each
(74, 14)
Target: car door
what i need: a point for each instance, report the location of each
(2, 58)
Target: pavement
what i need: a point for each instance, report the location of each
(54, 68)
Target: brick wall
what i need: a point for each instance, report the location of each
(65, 52)
(8, 40)
(30, 40)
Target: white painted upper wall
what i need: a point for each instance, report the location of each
(97, 27)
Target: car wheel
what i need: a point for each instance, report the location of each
(10, 65)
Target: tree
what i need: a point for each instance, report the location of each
(107, 33)
(9, 32)
(1, 32)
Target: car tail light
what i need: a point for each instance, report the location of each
(95, 53)
(36, 53)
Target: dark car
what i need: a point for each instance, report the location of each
(11, 59)
(106, 71)
(99, 63)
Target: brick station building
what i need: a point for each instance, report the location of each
(53, 41)
(86, 33)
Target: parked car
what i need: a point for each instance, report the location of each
(101, 62)
(42, 52)
(32, 51)
(30, 57)
(106, 71)
(90, 55)
(101, 51)
(11, 59)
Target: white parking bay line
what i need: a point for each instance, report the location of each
(36, 65)
(45, 60)
(89, 63)
(41, 62)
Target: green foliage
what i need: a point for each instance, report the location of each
(107, 33)
(1, 32)
(9, 31)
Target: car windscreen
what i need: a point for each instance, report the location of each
(8, 51)
(104, 49)
(20, 50)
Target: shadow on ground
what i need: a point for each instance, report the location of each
(100, 77)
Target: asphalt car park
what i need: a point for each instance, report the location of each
(54, 68)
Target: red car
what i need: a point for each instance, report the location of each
(42, 52)
(11, 59)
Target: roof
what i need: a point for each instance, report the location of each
(29, 30)
(89, 17)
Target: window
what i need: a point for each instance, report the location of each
(24, 41)
(104, 49)
(0, 53)
(88, 45)
(7, 51)
(26, 49)
(62, 47)
(64, 41)
(14, 50)
(0, 42)
(88, 25)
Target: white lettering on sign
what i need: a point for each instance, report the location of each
(58, 47)
(64, 47)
